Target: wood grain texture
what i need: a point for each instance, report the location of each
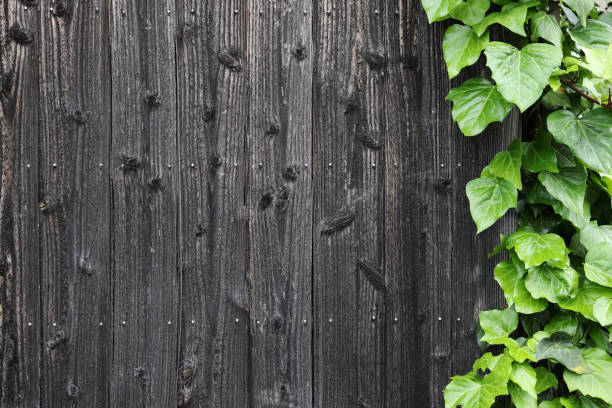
(350, 289)
(145, 200)
(20, 309)
(212, 96)
(263, 203)
(75, 203)
(279, 200)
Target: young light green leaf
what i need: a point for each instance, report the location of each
(596, 383)
(497, 324)
(553, 284)
(470, 12)
(522, 75)
(525, 377)
(462, 48)
(596, 34)
(588, 293)
(598, 62)
(477, 103)
(512, 16)
(581, 7)
(521, 398)
(513, 285)
(489, 200)
(507, 164)
(598, 264)
(559, 347)
(500, 364)
(545, 380)
(592, 234)
(589, 138)
(473, 391)
(538, 154)
(602, 310)
(544, 25)
(437, 10)
(567, 186)
(535, 249)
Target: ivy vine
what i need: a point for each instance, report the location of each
(553, 341)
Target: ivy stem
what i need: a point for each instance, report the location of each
(585, 96)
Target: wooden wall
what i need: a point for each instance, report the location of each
(234, 203)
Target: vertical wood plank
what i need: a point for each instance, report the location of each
(212, 119)
(438, 273)
(20, 310)
(145, 186)
(279, 197)
(350, 289)
(75, 144)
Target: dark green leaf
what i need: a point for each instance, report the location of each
(538, 154)
(567, 186)
(559, 347)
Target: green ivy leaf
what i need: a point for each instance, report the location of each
(521, 398)
(552, 99)
(592, 235)
(596, 383)
(602, 310)
(589, 138)
(598, 62)
(588, 293)
(553, 284)
(473, 391)
(535, 249)
(437, 10)
(567, 186)
(544, 25)
(507, 164)
(512, 16)
(477, 103)
(545, 380)
(581, 7)
(462, 48)
(470, 12)
(522, 75)
(559, 347)
(550, 404)
(489, 200)
(497, 324)
(538, 154)
(598, 264)
(582, 401)
(511, 281)
(500, 364)
(596, 34)
(525, 377)
(562, 321)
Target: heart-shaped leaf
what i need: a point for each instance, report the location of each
(567, 186)
(535, 249)
(598, 264)
(544, 25)
(559, 346)
(489, 200)
(522, 75)
(462, 48)
(477, 103)
(598, 381)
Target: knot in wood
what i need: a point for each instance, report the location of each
(63, 8)
(85, 266)
(272, 129)
(72, 389)
(58, 339)
(290, 173)
(130, 163)
(209, 113)
(79, 116)
(230, 57)
(375, 59)
(300, 52)
(152, 99)
(155, 183)
(20, 34)
(352, 104)
(266, 199)
(216, 161)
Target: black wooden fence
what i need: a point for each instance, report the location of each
(234, 203)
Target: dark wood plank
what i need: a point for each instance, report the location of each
(75, 203)
(279, 197)
(145, 204)
(350, 289)
(438, 272)
(20, 316)
(212, 119)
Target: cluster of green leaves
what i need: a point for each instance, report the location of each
(553, 341)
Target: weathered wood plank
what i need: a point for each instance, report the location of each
(145, 200)
(75, 245)
(350, 293)
(212, 118)
(438, 273)
(20, 310)
(279, 197)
